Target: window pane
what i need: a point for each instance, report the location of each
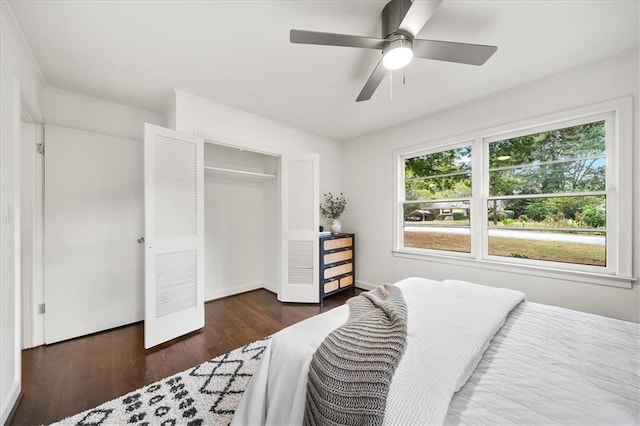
(559, 229)
(438, 226)
(452, 186)
(445, 174)
(570, 176)
(564, 160)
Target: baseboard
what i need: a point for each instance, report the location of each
(271, 288)
(233, 291)
(10, 404)
(256, 286)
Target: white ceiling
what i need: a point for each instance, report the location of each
(238, 53)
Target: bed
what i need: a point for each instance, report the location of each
(474, 355)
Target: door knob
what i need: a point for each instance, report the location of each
(140, 240)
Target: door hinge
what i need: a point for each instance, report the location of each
(40, 147)
(41, 308)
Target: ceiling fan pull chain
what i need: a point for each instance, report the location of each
(391, 87)
(404, 78)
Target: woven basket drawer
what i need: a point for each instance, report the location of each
(330, 286)
(338, 270)
(338, 243)
(337, 256)
(346, 281)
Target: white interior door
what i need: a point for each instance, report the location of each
(174, 225)
(93, 214)
(300, 220)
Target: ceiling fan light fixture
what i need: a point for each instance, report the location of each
(397, 54)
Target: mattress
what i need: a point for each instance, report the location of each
(544, 365)
(550, 365)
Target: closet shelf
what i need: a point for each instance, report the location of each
(238, 174)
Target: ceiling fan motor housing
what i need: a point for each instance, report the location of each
(392, 16)
(397, 40)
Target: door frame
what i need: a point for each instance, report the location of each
(33, 291)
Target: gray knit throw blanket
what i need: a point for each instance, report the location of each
(351, 371)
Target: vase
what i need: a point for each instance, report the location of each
(335, 226)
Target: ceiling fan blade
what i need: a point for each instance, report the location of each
(372, 83)
(464, 53)
(418, 15)
(332, 39)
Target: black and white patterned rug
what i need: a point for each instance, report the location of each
(207, 394)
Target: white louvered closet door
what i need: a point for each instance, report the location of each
(300, 220)
(174, 237)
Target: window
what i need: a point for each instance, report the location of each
(547, 198)
(444, 179)
(552, 194)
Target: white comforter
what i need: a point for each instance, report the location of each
(550, 366)
(450, 325)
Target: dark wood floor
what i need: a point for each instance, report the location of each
(65, 378)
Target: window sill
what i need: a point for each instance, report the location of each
(536, 271)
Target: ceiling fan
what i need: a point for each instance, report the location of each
(402, 20)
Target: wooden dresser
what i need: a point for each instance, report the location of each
(337, 264)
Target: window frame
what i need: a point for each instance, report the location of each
(617, 115)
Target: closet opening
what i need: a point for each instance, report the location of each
(242, 220)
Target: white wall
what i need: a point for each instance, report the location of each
(230, 126)
(18, 78)
(368, 182)
(76, 111)
(169, 112)
(234, 230)
(235, 127)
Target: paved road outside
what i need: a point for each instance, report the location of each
(523, 235)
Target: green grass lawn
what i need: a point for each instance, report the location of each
(585, 254)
